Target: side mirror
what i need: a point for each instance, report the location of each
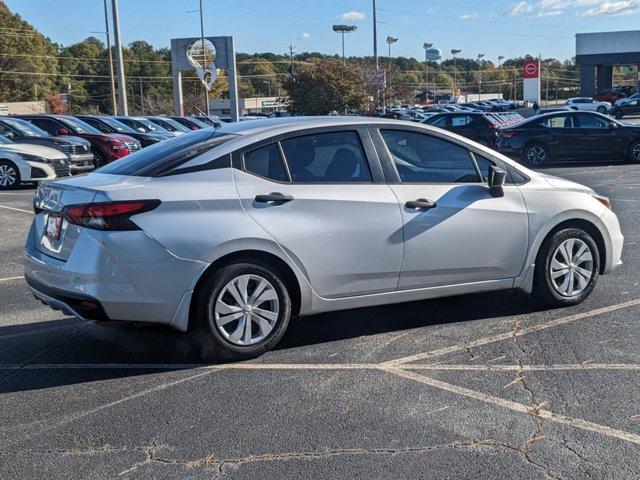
(496, 180)
(141, 130)
(63, 131)
(613, 125)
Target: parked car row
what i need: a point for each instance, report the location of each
(36, 147)
(480, 127)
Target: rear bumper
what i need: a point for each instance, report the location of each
(124, 276)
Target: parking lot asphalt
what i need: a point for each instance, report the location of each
(480, 386)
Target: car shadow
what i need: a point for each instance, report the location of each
(75, 348)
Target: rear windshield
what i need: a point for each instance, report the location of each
(162, 157)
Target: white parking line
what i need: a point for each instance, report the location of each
(518, 407)
(17, 209)
(188, 366)
(511, 334)
(529, 368)
(11, 279)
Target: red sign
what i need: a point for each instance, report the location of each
(531, 69)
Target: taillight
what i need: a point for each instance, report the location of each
(108, 216)
(120, 150)
(509, 133)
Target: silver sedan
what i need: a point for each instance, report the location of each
(231, 232)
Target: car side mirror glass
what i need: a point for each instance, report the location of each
(613, 125)
(496, 180)
(140, 129)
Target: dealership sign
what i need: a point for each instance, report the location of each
(531, 69)
(531, 80)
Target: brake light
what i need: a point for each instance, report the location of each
(509, 133)
(120, 150)
(108, 216)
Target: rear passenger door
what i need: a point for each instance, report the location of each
(322, 196)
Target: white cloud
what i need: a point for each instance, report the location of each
(468, 16)
(582, 8)
(520, 8)
(304, 36)
(612, 8)
(353, 16)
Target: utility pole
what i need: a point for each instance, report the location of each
(204, 58)
(426, 47)
(141, 97)
(500, 58)
(454, 52)
(291, 68)
(114, 108)
(122, 89)
(480, 56)
(375, 54)
(390, 41)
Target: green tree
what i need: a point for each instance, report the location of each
(324, 86)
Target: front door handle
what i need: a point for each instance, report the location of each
(276, 198)
(421, 204)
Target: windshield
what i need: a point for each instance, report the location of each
(170, 124)
(162, 157)
(117, 125)
(25, 128)
(148, 125)
(78, 126)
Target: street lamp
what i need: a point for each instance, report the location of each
(426, 47)
(454, 52)
(342, 29)
(500, 58)
(390, 41)
(480, 57)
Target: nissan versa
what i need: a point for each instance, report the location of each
(231, 232)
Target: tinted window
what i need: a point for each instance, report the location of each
(558, 121)
(161, 158)
(47, 125)
(438, 122)
(266, 162)
(423, 158)
(592, 121)
(461, 120)
(24, 128)
(327, 157)
(79, 126)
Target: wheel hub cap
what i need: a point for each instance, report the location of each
(246, 310)
(7, 175)
(536, 155)
(571, 267)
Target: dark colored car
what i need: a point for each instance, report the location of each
(106, 148)
(570, 136)
(192, 123)
(110, 126)
(143, 125)
(631, 108)
(611, 95)
(479, 127)
(77, 149)
(479, 106)
(169, 124)
(211, 121)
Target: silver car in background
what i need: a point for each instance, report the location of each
(232, 232)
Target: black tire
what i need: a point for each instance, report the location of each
(544, 290)
(618, 114)
(601, 109)
(9, 175)
(535, 155)
(99, 159)
(634, 152)
(214, 345)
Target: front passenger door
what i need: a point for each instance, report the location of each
(467, 235)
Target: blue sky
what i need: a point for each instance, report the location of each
(495, 27)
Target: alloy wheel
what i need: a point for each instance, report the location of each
(571, 267)
(247, 310)
(536, 155)
(636, 152)
(8, 176)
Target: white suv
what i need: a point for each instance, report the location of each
(588, 104)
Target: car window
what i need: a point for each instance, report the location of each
(438, 122)
(558, 121)
(78, 126)
(484, 165)
(592, 121)
(461, 120)
(327, 157)
(266, 162)
(419, 158)
(47, 125)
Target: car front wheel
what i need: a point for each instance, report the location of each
(9, 175)
(601, 109)
(243, 311)
(634, 151)
(566, 269)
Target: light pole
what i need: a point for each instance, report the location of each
(342, 29)
(454, 52)
(122, 88)
(111, 77)
(500, 58)
(390, 41)
(426, 47)
(480, 57)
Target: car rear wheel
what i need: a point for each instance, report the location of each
(601, 109)
(618, 114)
(9, 175)
(634, 151)
(536, 154)
(243, 311)
(566, 269)
(99, 160)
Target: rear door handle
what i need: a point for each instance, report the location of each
(274, 198)
(421, 204)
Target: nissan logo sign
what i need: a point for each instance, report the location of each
(531, 68)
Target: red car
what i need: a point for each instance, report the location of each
(106, 148)
(610, 96)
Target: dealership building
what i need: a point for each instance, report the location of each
(246, 106)
(598, 53)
